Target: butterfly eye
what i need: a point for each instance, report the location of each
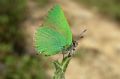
(75, 43)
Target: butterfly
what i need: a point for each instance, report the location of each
(54, 35)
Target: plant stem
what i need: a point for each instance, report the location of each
(61, 68)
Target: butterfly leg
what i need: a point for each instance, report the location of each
(69, 53)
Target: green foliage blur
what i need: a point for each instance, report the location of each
(109, 8)
(24, 67)
(12, 13)
(14, 63)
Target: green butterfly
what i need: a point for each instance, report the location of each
(54, 35)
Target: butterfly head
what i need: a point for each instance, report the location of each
(74, 45)
(72, 48)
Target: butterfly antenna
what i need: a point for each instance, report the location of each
(81, 34)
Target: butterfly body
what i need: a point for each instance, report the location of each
(54, 35)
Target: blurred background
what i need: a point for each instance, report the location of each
(97, 56)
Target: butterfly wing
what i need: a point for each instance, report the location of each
(57, 21)
(48, 41)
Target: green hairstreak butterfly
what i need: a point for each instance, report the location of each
(54, 35)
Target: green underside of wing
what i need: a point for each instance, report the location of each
(57, 21)
(48, 41)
